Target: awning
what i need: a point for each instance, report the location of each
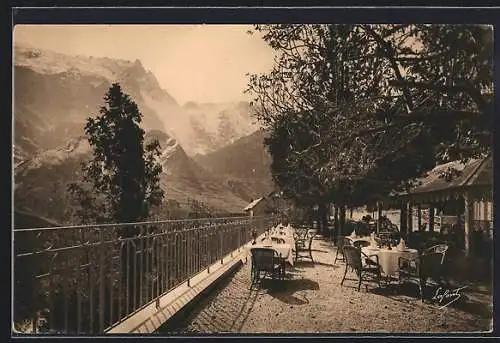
(476, 177)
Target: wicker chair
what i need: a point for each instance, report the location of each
(443, 249)
(304, 245)
(300, 233)
(361, 244)
(340, 251)
(278, 240)
(265, 260)
(419, 270)
(341, 241)
(354, 261)
(439, 248)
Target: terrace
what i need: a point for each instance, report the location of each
(310, 299)
(194, 276)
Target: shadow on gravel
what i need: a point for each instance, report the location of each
(310, 264)
(321, 251)
(284, 290)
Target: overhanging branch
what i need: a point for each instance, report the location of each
(419, 117)
(389, 54)
(474, 93)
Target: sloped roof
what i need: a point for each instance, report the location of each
(252, 204)
(477, 172)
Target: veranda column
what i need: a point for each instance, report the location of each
(419, 217)
(468, 202)
(431, 218)
(410, 217)
(379, 214)
(403, 217)
(484, 210)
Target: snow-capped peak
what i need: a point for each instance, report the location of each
(50, 62)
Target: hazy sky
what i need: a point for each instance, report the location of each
(205, 63)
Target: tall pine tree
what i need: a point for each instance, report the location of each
(121, 182)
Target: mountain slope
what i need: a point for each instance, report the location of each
(55, 93)
(211, 126)
(244, 164)
(41, 181)
(183, 178)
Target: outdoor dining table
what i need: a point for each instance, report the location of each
(389, 258)
(358, 238)
(286, 234)
(284, 249)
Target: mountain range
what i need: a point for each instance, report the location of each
(54, 94)
(244, 165)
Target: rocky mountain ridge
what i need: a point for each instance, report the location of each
(54, 94)
(79, 83)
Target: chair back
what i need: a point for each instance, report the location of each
(278, 240)
(361, 244)
(431, 264)
(352, 256)
(439, 248)
(347, 241)
(300, 233)
(311, 237)
(263, 258)
(340, 242)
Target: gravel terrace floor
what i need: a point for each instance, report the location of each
(311, 300)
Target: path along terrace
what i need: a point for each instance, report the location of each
(310, 300)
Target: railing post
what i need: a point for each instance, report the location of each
(221, 244)
(141, 268)
(36, 321)
(101, 280)
(207, 246)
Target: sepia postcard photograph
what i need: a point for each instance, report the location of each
(193, 179)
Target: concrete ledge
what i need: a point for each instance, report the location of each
(156, 313)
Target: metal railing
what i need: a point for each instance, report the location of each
(85, 279)
(481, 239)
(485, 227)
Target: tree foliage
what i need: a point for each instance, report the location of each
(121, 182)
(357, 111)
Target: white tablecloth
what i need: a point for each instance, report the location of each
(284, 250)
(287, 237)
(284, 232)
(388, 259)
(359, 238)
